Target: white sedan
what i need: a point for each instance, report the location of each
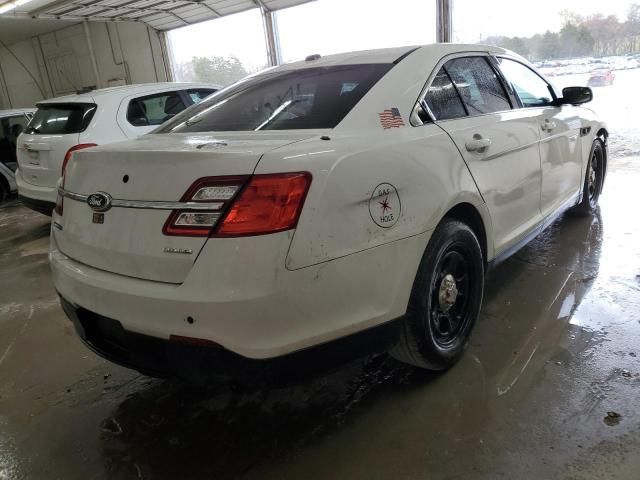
(321, 200)
(65, 124)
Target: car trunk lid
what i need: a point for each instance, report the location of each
(154, 168)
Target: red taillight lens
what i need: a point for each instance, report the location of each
(69, 153)
(268, 204)
(215, 192)
(60, 200)
(59, 203)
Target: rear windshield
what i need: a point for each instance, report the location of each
(309, 98)
(61, 118)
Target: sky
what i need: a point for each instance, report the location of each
(332, 26)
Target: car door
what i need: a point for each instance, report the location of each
(559, 134)
(499, 144)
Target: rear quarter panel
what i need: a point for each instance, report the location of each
(418, 170)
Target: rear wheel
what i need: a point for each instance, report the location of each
(593, 181)
(445, 300)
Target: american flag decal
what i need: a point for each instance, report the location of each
(391, 118)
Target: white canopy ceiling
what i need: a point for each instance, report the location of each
(159, 14)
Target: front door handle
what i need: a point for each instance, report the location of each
(548, 125)
(478, 144)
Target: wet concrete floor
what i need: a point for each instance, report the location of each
(557, 347)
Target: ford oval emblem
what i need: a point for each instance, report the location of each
(99, 201)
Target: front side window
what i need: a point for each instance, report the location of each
(61, 118)
(442, 98)
(478, 85)
(154, 109)
(307, 98)
(532, 90)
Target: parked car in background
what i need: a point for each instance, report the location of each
(318, 200)
(12, 123)
(66, 124)
(601, 77)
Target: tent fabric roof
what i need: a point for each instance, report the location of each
(159, 14)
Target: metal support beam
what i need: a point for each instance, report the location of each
(444, 21)
(94, 63)
(272, 39)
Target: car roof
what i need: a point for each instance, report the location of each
(390, 55)
(15, 111)
(126, 90)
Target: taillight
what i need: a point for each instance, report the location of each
(214, 192)
(266, 204)
(59, 203)
(69, 153)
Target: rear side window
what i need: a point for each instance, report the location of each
(154, 109)
(61, 118)
(532, 90)
(478, 85)
(307, 98)
(199, 94)
(442, 98)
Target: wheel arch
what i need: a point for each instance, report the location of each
(468, 214)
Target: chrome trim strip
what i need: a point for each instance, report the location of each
(148, 205)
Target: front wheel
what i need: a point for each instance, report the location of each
(593, 181)
(445, 299)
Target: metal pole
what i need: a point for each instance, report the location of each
(94, 63)
(444, 21)
(270, 24)
(167, 56)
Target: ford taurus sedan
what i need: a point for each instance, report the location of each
(318, 202)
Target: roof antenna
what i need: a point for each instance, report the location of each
(311, 58)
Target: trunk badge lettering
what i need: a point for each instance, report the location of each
(185, 251)
(99, 201)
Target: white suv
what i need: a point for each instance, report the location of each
(65, 124)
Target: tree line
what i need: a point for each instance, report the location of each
(215, 69)
(595, 35)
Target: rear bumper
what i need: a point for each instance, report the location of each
(202, 363)
(253, 307)
(38, 198)
(39, 206)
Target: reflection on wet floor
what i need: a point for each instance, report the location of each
(547, 388)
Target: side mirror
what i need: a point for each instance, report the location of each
(576, 95)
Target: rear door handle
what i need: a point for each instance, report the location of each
(478, 144)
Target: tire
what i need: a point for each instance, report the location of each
(593, 180)
(427, 339)
(4, 191)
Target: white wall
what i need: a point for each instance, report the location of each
(17, 87)
(61, 62)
